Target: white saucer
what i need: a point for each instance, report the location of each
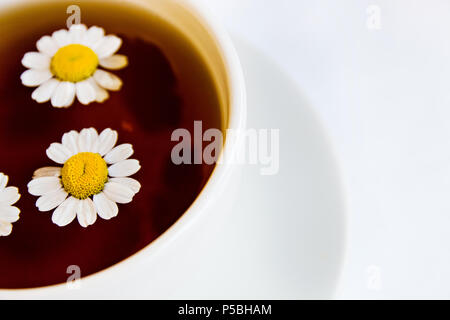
(286, 238)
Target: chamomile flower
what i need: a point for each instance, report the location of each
(67, 66)
(8, 213)
(94, 177)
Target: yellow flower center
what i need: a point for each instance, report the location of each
(74, 63)
(84, 175)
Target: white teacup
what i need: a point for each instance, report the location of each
(158, 269)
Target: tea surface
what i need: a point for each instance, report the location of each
(166, 86)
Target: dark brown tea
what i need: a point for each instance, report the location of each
(166, 86)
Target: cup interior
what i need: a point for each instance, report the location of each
(218, 54)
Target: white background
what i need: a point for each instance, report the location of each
(384, 97)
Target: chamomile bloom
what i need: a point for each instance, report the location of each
(67, 66)
(8, 213)
(94, 177)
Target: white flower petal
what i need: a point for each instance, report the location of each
(64, 94)
(58, 153)
(129, 182)
(9, 196)
(118, 192)
(61, 38)
(77, 33)
(3, 181)
(70, 141)
(107, 80)
(51, 200)
(36, 60)
(9, 214)
(87, 140)
(119, 153)
(44, 92)
(66, 212)
(86, 213)
(124, 168)
(106, 208)
(43, 185)
(86, 92)
(47, 45)
(100, 93)
(114, 62)
(47, 172)
(93, 36)
(107, 46)
(5, 228)
(106, 141)
(34, 77)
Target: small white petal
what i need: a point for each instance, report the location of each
(86, 213)
(9, 196)
(70, 141)
(107, 46)
(106, 208)
(66, 212)
(107, 80)
(44, 185)
(106, 141)
(129, 182)
(124, 168)
(61, 38)
(3, 181)
(77, 33)
(58, 153)
(100, 93)
(119, 153)
(118, 192)
(9, 214)
(115, 62)
(64, 95)
(87, 140)
(44, 92)
(47, 172)
(34, 77)
(5, 228)
(86, 92)
(47, 45)
(93, 36)
(51, 200)
(36, 60)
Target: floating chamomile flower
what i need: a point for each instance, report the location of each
(67, 65)
(8, 213)
(85, 185)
